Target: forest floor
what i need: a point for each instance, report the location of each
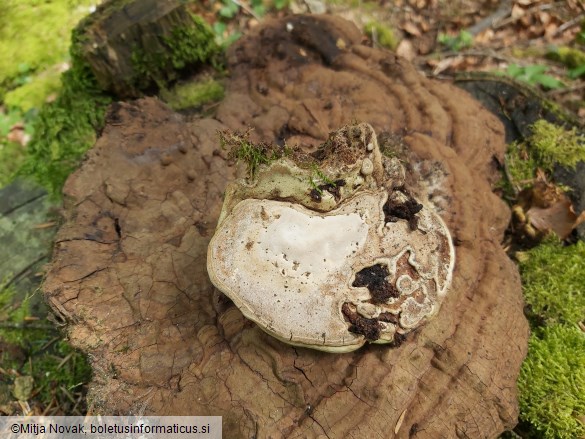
(536, 41)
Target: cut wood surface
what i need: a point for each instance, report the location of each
(128, 272)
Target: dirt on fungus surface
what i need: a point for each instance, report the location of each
(128, 272)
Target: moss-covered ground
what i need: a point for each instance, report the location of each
(34, 36)
(552, 379)
(548, 144)
(39, 371)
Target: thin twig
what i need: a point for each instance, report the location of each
(493, 19)
(247, 9)
(569, 24)
(565, 90)
(509, 177)
(528, 11)
(475, 52)
(67, 394)
(64, 360)
(12, 325)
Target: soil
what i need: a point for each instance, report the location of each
(163, 341)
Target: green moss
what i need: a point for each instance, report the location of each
(193, 94)
(51, 372)
(521, 164)
(254, 155)
(383, 34)
(11, 153)
(569, 56)
(548, 144)
(34, 34)
(552, 379)
(11, 159)
(184, 47)
(554, 280)
(11, 311)
(552, 382)
(555, 144)
(54, 365)
(527, 52)
(66, 128)
(33, 94)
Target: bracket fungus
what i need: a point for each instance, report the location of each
(363, 262)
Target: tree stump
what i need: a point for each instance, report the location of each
(128, 272)
(133, 45)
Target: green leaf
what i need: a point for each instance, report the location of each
(229, 9)
(461, 41)
(219, 28)
(548, 81)
(514, 70)
(259, 10)
(280, 4)
(531, 71)
(577, 72)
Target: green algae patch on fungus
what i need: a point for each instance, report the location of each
(552, 379)
(552, 382)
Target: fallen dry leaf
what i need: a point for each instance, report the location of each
(559, 217)
(411, 29)
(405, 49)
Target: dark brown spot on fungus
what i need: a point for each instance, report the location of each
(406, 210)
(315, 195)
(369, 328)
(374, 278)
(388, 317)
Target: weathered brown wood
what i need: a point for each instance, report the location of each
(130, 45)
(129, 267)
